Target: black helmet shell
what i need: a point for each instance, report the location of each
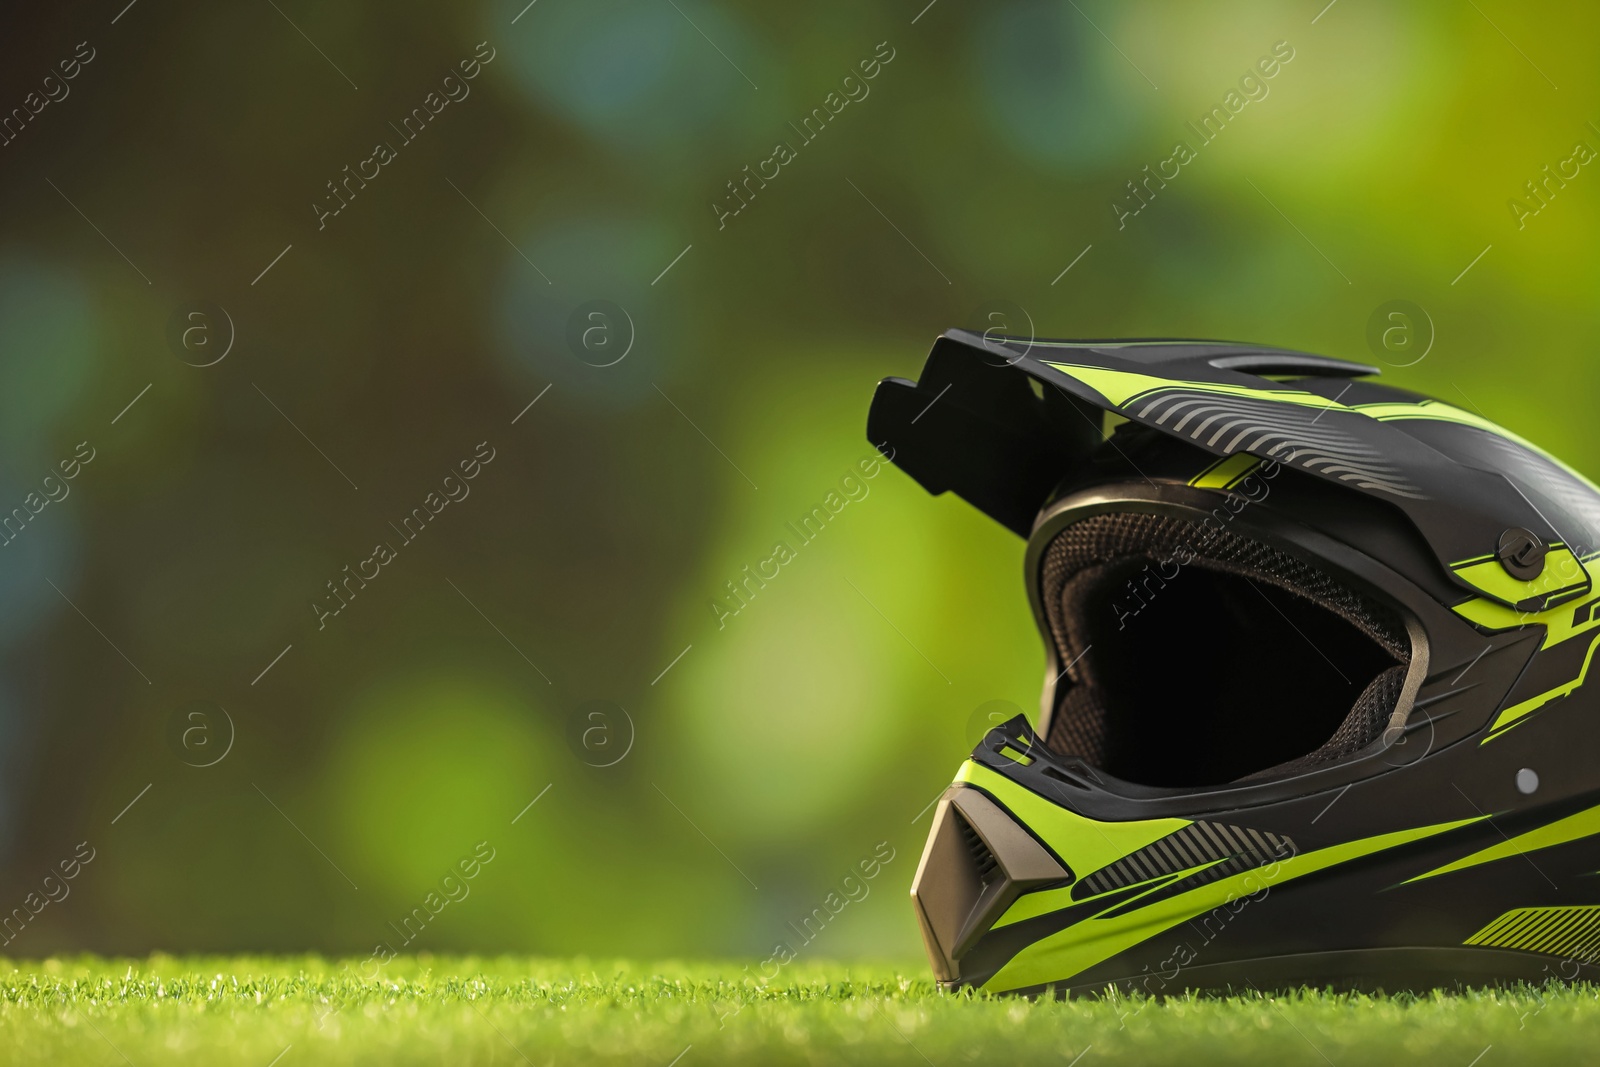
(1315, 701)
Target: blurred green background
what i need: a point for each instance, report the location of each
(768, 753)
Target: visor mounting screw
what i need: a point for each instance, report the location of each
(1521, 554)
(1527, 781)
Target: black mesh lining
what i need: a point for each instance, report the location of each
(1364, 725)
(1199, 656)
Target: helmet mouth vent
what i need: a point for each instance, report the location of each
(1198, 656)
(983, 860)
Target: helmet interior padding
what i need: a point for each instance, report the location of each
(1199, 656)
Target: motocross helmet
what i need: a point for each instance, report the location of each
(1315, 706)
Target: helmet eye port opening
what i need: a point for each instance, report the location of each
(1202, 658)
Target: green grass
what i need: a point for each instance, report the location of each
(515, 1010)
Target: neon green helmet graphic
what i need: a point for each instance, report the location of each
(1317, 705)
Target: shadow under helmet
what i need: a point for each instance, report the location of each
(1315, 705)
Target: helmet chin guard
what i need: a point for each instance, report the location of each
(1315, 654)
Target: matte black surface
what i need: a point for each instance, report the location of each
(1184, 723)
